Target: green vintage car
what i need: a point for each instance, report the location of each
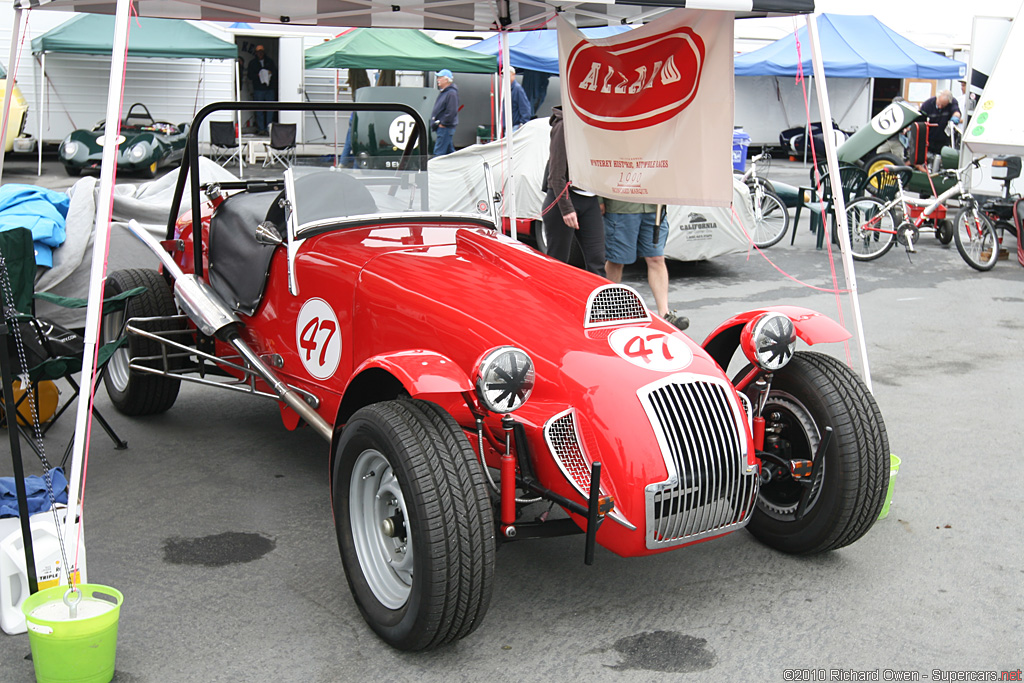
(144, 145)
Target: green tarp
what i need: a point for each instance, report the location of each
(390, 48)
(93, 34)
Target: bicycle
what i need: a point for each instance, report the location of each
(771, 217)
(873, 226)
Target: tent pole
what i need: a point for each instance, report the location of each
(336, 82)
(506, 99)
(837, 197)
(9, 89)
(807, 125)
(238, 114)
(40, 99)
(101, 242)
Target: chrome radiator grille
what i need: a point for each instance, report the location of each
(615, 305)
(710, 488)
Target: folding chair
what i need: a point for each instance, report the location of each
(40, 350)
(852, 180)
(281, 149)
(224, 144)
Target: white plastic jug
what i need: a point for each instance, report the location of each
(48, 560)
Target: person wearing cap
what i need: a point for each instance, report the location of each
(445, 116)
(262, 73)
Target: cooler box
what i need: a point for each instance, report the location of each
(740, 143)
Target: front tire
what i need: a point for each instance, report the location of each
(771, 217)
(872, 228)
(414, 524)
(975, 239)
(945, 231)
(814, 391)
(133, 392)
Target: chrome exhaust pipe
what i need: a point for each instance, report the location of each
(204, 308)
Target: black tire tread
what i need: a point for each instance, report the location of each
(447, 492)
(769, 192)
(146, 394)
(892, 238)
(987, 228)
(858, 431)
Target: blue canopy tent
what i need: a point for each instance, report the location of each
(851, 47)
(855, 50)
(535, 55)
(537, 50)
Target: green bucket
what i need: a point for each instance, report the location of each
(79, 650)
(894, 468)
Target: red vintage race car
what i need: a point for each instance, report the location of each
(459, 377)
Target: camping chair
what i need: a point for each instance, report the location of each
(42, 350)
(224, 144)
(852, 181)
(281, 149)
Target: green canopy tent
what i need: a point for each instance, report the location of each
(410, 49)
(383, 48)
(93, 34)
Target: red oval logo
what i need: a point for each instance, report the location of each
(635, 84)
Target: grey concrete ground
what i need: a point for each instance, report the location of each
(215, 524)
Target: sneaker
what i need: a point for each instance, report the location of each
(673, 318)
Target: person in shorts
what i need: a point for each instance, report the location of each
(639, 230)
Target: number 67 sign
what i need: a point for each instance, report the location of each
(649, 348)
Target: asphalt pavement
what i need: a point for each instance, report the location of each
(216, 525)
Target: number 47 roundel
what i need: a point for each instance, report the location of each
(318, 338)
(649, 348)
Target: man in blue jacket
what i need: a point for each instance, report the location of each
(521, 109)
(445, 116)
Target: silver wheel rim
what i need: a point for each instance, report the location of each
(978, 241)
(118, 365)
(767, 223)
(374, 498)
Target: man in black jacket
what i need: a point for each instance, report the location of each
(445, 116)
(262, 73)
(940, 110)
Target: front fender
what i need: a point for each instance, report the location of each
(811, 326)
(421, 372)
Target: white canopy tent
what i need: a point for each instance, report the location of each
(501, 15)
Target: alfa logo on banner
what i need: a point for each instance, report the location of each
(648, 113)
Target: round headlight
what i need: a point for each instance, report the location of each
(769, 340)
(69, 149)
(505, 379)
(137, 151)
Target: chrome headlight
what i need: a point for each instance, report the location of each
(769, 340)
(137, 152)
(505, 378)
(69, 149)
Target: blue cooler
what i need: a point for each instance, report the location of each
(740, 143)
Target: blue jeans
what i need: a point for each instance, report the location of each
(443, 143)
(263, 118)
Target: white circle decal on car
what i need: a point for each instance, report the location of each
(649, 348)
(400, 130)
(318, 338)
(888, 121)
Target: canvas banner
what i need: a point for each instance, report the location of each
(649, 113)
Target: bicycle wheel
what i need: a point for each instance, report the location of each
(872, 228)
(771, 217)
(976, 238)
